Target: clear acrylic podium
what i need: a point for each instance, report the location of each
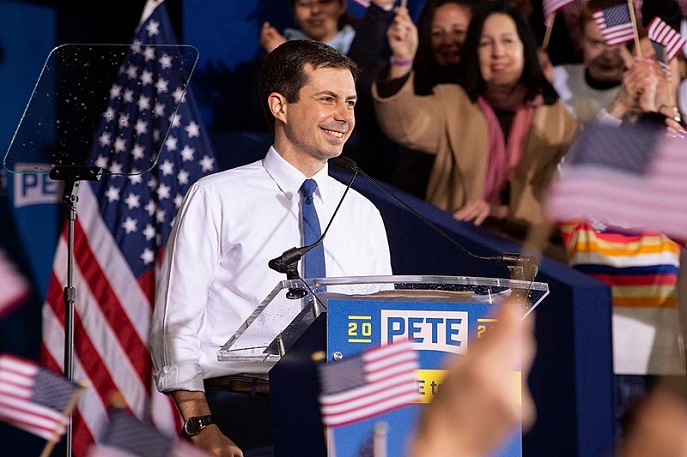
(288, 333)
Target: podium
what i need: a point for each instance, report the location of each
(340, 317)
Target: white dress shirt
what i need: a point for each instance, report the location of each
(214, 272)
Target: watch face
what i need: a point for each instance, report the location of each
(192, 426)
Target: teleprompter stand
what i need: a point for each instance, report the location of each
(63, 131)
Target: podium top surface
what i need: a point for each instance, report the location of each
(280, 320)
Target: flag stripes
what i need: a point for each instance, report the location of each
(384, 379)
(615, 24)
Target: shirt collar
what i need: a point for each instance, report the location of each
(289, 179)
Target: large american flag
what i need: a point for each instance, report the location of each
(664, 34)
(615, 24)
(632, 176)
(33, 398)
(121, 230)
(127, 436)
(377, 380)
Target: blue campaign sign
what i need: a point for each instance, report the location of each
(438, 329)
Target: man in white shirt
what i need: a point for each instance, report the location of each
(215, 269)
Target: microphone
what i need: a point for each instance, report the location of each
(286, 263)
(524, 266)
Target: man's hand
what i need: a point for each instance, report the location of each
(192, 403)
(215, 443)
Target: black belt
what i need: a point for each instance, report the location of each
(240, 384)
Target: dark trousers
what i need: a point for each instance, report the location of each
(244, 418)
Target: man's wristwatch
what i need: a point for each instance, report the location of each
(194, 425)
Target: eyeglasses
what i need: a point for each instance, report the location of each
(311, 3)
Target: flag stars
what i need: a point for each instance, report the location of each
(131, 72)
(187, 153)
(192, 129)
(165, 61)
(104, 139)
(143, 103)
(138, 152)
(112, 194)
(149, 232)
(132, 200)
(141, 127)
(178, 95)
(152, 183)
(115, 91)
(162, 86)
(147, 256)
(116, 168)
(159, 110)
(135, 177)
(207, 163)
(183, 177)
(128, 96)
(123, 120)
(164, 192)
(175, 120)
(146, 78)
(150, 208)
(171, 143)
(149, 53)
(101, 162)
(109, 114)
(167, 167)
(129, 225)
(120, 145)
(153, 28)
(160, 215)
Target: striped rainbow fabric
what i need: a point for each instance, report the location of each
(642, 270)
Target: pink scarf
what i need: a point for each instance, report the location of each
(504, 157)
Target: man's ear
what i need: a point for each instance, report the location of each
(277, 103)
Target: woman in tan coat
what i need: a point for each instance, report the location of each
(499, 137)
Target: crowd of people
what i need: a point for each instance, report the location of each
(464, 109)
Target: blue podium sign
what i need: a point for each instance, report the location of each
(439, 330)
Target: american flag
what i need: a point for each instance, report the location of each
(363, 3)
(127, 436)
(660, 52)
(664, 34)
(615, 24)
(33, 398)
(632, 176)
(377, 380)
(14, 288)
(122, 228)
(551, 6)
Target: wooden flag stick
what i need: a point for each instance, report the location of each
(50, 445)
(329, 439)
(379, 446)
(631, 7)
(549, 27)
(404, 4)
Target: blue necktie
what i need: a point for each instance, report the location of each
(314, 259)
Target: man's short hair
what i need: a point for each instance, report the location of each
(283, 70)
